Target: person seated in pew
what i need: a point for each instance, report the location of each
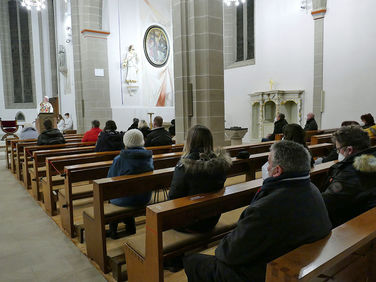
(287, 212)
(367, 121)
(144, 128)
(200, 170)
(350, 188)
(293, 132)
(28, 132)
(134, 124)
(279, 123)
(311, 122)
(333, 155)
(109, 139)
(158, 135)
(171, 129)
(50, 136)
(92, 134)
(68, 122)
(133, 159)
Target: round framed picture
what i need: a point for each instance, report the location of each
(156, 46)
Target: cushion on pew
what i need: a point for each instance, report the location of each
(173, 240)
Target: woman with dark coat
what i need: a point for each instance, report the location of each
(200, 170)
(134, 159)
(110, 139)
(367, 120)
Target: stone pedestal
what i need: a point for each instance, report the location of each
(236, 135)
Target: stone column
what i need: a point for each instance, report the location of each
(318, 14)
(90, 53)
(198, 66)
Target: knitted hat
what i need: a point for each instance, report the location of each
(133, 138)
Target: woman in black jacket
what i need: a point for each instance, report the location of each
(109, 139)
(144, 128)
(200, 170)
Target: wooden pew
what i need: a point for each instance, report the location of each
(91, 171)
(145, 252)
(109, 188)
(32, 151)
(348, 253)
(20, 149)
(322, 138)
(8, 150)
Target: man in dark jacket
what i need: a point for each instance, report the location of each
(288, 211)
(50, 136)
(278, 127)
(311, 123)
(158, 135)
(351, 186)
(134, 125)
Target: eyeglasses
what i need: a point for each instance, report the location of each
(339, 149)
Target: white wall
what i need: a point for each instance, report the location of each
(283, 53)
(349, 61)
(127, 21)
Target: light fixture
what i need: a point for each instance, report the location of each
(37, 4)
(235, 2)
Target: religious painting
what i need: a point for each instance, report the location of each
(156, 46)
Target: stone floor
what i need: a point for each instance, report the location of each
(32, 247)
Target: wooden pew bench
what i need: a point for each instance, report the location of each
(8, 150)
(145, 252)
(92, 171)
(322, 138)
(38, 161)
(109, 188)
(348, 253)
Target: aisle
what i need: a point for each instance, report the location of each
(32, 247)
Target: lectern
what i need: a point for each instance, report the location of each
(41, 119)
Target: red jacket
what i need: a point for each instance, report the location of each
(91, 135)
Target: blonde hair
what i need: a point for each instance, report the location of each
(142, 123)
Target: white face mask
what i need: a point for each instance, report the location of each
(341, 157)
(265, 173)
(275, 119)
(361, 124)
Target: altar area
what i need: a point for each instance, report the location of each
(265, 105)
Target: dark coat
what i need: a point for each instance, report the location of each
(109, 141)
(200, 173)
(286, 213)
(158, 137)
(50, 137)
(351, 187)
(145, 131)
(278, 128)
(132, 161)
(311, 125)
(133, 126)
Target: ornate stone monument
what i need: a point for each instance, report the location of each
(265, 105)
(236, 134)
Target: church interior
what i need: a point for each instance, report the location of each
(165, 140)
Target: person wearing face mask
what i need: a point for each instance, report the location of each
(287, 212)
(279, 123)
(351, 185)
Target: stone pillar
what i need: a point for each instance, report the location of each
(198, 66)
(318, 14)
(90, 53)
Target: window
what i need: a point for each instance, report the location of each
(20, 53)
(245, 31)
(239, 35)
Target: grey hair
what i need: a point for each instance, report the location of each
(290, 156)
(142, 123)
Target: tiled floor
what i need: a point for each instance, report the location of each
(32, 247)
